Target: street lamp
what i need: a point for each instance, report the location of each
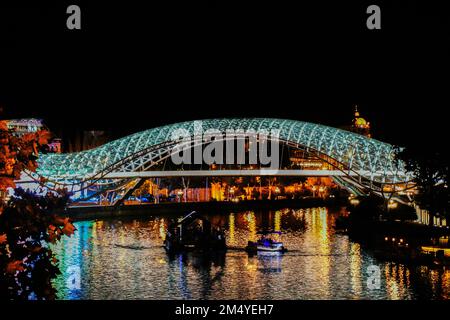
(277, 191)
(321, 190)
(392, 204)
(231, 192)
(180, 194)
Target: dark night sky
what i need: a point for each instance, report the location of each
(133, 67)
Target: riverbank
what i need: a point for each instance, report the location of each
(412, 232)
(401, 242)
(101, 212)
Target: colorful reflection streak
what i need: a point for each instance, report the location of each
(124, 259)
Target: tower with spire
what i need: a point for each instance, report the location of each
(360, 125)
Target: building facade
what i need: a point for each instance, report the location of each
(20, 127)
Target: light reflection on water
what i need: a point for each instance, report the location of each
(124, 259)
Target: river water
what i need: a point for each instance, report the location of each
(124, 259)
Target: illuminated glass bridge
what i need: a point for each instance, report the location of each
(354, 161)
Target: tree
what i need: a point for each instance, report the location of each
(431, 171)
(369, 208)
(28, 222)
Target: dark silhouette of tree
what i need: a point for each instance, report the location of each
(431, 171)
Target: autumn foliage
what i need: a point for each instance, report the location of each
(28, 222)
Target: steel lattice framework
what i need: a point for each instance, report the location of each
(372, 159)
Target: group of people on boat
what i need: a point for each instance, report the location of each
(194, 231)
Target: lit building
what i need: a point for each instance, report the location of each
(304, 161)
(218, 191)
(197, 194)
(20, 127)
(55, 146)
(360, 125)
(24, 126)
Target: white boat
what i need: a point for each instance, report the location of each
(270, 246)
(266, 244)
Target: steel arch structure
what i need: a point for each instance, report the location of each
(372, 160)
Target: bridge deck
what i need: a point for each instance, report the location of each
(224, 173)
